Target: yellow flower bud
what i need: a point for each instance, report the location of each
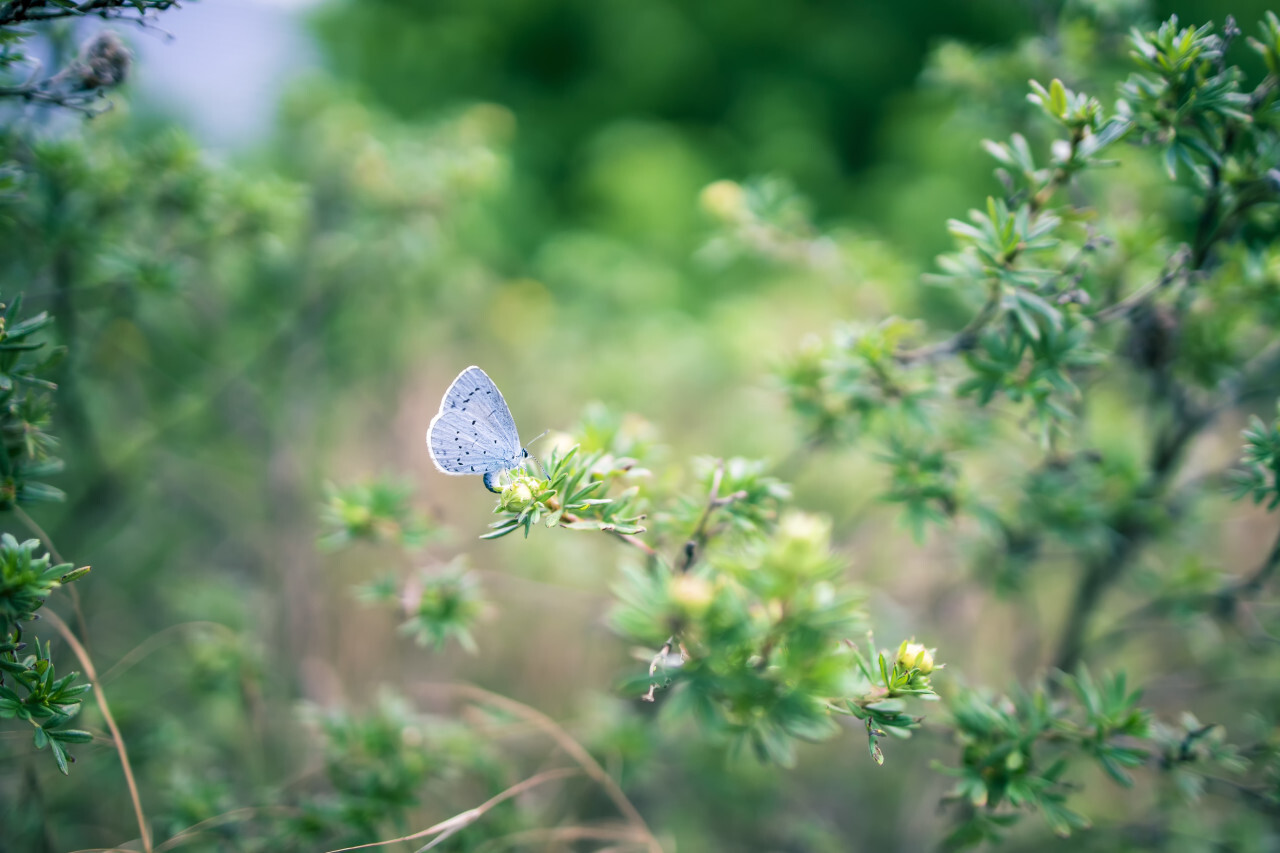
(908, 654)
(724, 200)
(806, 527)
(800, 547)
(692, 594)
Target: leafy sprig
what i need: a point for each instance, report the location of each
(575, 494)
(378, 511)
(879, 701)
(1259, 476)
(1016, 751)
(26, 408)
(30, 688)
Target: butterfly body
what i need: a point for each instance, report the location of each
(474, 433)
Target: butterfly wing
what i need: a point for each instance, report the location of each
(473, 433)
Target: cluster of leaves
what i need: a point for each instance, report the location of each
(1057, 304)
(752, 620)
(853, 383)
(46, 700)
(743, 501)
(592, 481)
(763, 218)
(379, 512)
(760, 633)
(165, 275)
(382, 769)
(377, 764)
(26, 408)
(1030, 339)
(1016, 751)
(880, 703)
(923, 479)
(1259, 476)
(30, 688)
(1189, 102)
(572, 496)
(1033, 336)
(440, 602)
(750, 614)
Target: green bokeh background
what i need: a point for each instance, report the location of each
(514, 184)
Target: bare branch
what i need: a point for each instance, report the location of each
(31, 11)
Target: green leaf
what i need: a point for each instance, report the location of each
(1057, 98)
(877, 754)
(60, 756)
(71, 736)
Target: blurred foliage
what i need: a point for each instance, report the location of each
(1259, 479)
(565, 191)
(379, 512)
(26, 408)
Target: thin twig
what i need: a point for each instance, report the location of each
(86, 662)
(1174, 269)
(575, 750)
(91, 103)
(633, 541)
(698, 538)
(247, 813)
(562, 834)
(18, 12)
(155, 641)
(460, 821)
(963, 340)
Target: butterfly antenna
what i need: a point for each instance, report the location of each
(545, 476)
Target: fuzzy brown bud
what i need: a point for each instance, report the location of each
(104, 61)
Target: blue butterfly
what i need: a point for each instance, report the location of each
(474, 433)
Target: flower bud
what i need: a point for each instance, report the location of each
(724, 200)
(692, 594)
(801, 546)
(104, 61)
(518, 494)
(916, 655)
(357, 517)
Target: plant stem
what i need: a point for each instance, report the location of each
(698, 538)
(91, 674)
(575, 750)
(446, 828)
(963, 340)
